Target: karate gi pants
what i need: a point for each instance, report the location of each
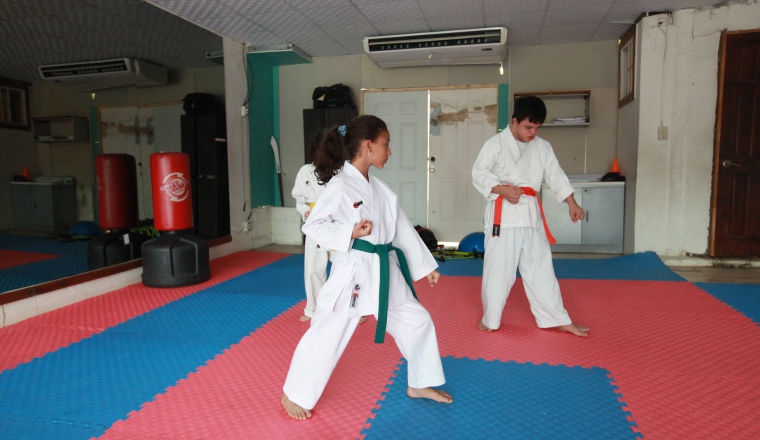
(322, 345)
(314, 273)
(528, 249)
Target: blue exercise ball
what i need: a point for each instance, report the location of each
(473, 242)
(85, 228)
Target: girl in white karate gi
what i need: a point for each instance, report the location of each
(510, 167)
(306, 191)
(359, 216)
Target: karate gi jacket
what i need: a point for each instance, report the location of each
(306, 189)
(348, 198)
(500, 163)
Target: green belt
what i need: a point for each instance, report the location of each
(385, 275)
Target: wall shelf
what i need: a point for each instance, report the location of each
(563, 104)
(61, 129)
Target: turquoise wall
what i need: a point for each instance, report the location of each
(263, 123)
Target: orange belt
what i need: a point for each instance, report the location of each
(528, 191)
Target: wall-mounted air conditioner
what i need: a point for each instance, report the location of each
(470, 46)
(96, 75)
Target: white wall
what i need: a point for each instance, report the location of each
(678, 89)
(534, 68)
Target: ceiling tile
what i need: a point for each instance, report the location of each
(454, 23)
(263, 39)
(354, 47)
(50, 25)
(523, 37)
(13, 11)
(611, 31)
(98, 20)
(392, 11)
(305, 34)
(575, 16)
(567, 34)
(301, 4)
(110, 3)
(450, 8)
(348, 33)
(402, 27)
(505, 7)
(10, 30)
(56, 7)
(334, 16)
(276, 22)
(565, 4)
(517, 20)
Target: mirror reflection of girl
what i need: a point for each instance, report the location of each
(360, 217)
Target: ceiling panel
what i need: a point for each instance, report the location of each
(177, 33)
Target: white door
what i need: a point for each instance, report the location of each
(406, 114)
(461, 120)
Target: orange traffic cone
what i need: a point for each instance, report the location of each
(615, 168)
(25, 173)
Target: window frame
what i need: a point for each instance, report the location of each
(23, 87)
(627, 67)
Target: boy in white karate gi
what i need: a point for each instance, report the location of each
(306, 191)
(378, 255)
(510, 168)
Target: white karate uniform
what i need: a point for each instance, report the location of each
(331, 224)
(522, 242)
(306, 191)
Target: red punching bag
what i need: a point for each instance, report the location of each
(116, 176)
(172, 203)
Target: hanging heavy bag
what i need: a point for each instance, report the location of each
(336, 95)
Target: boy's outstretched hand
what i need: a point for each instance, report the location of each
(433, 277)
(362, 229)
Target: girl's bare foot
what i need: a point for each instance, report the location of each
(295, 411)
(577, 330)
(429, 393)
(482, 327)
(305, 318)
(362, 320)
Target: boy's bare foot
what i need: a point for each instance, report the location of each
(305, 318)
(577, 330)
(294, 410)
(482, 327)
(362, 320)
(429, 393)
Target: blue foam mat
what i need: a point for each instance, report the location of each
(521, 401)
(745, 298)
(78, 391)
(645, 266)
(43, 245)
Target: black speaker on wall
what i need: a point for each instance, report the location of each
(204, 139)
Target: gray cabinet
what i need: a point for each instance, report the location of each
(602, 228)
(45, 207)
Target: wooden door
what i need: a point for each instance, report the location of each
(736, 187)
(461, 120)
(406, 114)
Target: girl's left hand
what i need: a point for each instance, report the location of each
(433, 277)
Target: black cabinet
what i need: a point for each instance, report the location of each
(317, 119)
(204, 139)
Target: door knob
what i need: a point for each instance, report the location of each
(727, 163)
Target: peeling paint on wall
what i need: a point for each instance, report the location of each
(435, 110)
(438, 117)
(492, 113)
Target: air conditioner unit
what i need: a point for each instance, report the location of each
(96, 75)
(470, 46)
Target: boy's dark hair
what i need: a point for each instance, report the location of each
(530, 107)
(336, 148)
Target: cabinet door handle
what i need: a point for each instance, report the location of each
(586, 216)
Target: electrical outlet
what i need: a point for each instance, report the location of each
(244, 110)
(246, 226)
(662, 133)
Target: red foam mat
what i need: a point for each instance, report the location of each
(10, 258)
(34, 337)
(237, 394)
(684, 363)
